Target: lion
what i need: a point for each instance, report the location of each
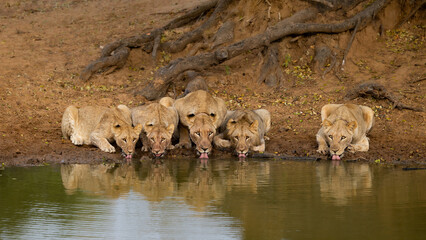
(244, 131)
(344, 126)
(159, 124)
(99, 126)
(200, 115)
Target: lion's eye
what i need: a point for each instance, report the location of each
(152, 139)
(163, 139)
(212, 114)
(210, 133)
(247, 137)
(191, 115)
(236, 138)
(135, 139)
(198, 133)
(343, 137)
(124, 140)
(330, 136)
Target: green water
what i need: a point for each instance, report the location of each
(181, 199)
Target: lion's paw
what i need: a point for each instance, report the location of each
(351, 148)
(108, 149)
(145, 149)
(76, 140)
(186, 145)
(222, 143)
(322, 150)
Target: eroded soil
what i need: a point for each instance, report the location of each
(44, 45)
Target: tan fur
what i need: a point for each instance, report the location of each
(244, 131)
(200, 115)
(344, 126)
(159, 121)
(96, 125)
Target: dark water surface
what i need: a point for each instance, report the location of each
(181, 199)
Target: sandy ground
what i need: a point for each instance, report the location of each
(44, 45)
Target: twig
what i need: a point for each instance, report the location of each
(108, 59)
(411, 14)
(418, 80)
(377, 91)
(349, 45)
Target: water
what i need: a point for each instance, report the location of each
(181, 199)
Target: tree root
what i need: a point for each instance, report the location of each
(194, 35)
(377, 91)
(411, 14)
(323, 57)
(271, 72)
(113, 54)
(165, 75)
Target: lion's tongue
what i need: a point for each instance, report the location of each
(241, 155)
(128, 156)
(204, 155)
(335, 157)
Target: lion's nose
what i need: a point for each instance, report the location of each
(204, 149)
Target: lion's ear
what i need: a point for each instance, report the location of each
(254, 126)
(326, 123)
(352, 125)
(230, 124)
(138, 128)
(171, 129)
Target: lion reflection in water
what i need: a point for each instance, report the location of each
(343, 182)
(198, 184)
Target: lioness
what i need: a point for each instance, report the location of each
(159, 121)
(200, 114)
(95, 125)
(344, 126)
(244, 131)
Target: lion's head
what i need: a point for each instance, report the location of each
(126, 137)
(159, 138)
(201, 132)
(243, 135)
(338, 136)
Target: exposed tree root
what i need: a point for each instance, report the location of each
(411, 14)
(196, 34)
(323, 57)
(165, 75)
(377, 91)
(225, 34)
(116, 53)
(271, 72)
(349, 46)
(113, 54)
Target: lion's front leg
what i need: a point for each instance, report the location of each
(360, 146)
(220, 142)
(145, 142)
(322, 144)
(184, 140)
(101, 142)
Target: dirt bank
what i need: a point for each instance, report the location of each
(44, 45)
